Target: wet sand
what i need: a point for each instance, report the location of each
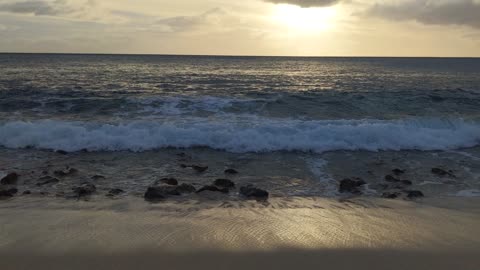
(285, 233)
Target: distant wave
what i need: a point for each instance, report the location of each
(254, 135)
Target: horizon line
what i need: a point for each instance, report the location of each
(233, 55)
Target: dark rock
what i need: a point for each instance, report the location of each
(161, 192)
(213, 189)
(44, 172)
(351, 185)
(61, 152)
(199, 169)
(27, 192)
(47, 180)
(398, 171)
(406, 182)
(98, 177)
(390, 195)
(85, 189)
(167, 181)
(186, 188)
(184, 166)
(414, 194)
(224, 183)
(437, 98)
(441, 172)
(153, 194)
(66, 172)
(5, 194)
(390, 178)
(252, 192)
(231, 171)
(10, 179)
(114, 192)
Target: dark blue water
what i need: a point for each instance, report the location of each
(238, 103)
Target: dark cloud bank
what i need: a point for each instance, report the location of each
(306, 3)
(458, 12)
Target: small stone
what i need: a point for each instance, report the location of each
(406, 182)
(351, 185)
(390, 178)
(98, 177)
(398, 171)
(115, 192)
(224, 183)
(231, 171)
(252, 192)
(61, 152)
(85, 189)
(45, 180)
(186, 188)
(10, 179)
(390, 195)
(66, 172)
(213, 189)
(167, 181)
(414, 194)
(27, 192)
(200, 169)
(441, 172)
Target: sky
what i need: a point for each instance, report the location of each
(449, 28)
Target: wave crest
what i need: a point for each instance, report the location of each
(259, 135)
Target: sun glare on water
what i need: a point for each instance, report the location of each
(305, 20)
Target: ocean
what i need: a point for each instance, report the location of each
(294, 126)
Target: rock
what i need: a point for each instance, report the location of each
(5, 194)
(161, 192)
(414, 194)
(224, 183)
(390, 178)
(66, 172)
(390, 195)
(252, 192)
(186, 188)
(351, 185)
(45, 180)
(231, 171)
(97, 177)
(27, 192)
(406, 182)
(398, 171)
(213, 189)
(114, 192)
(153, 194)
(199, 169)
(441, 172)
(183, 166)
(85, 189)
(167, 181)
(61, 152)
(10, 179)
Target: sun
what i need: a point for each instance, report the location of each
(305, 20)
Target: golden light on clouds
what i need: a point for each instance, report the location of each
(304, 20)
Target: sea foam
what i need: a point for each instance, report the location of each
(255, 135)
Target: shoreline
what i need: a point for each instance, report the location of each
(365, 233)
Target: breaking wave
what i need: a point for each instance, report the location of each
(254, 135)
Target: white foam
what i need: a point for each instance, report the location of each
(243, 135)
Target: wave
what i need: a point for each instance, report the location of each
(247, 135)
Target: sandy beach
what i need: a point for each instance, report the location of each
(365, 233)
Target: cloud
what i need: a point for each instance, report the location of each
(306, 3)
(441, 12)
(184, 23)
(45, 8)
